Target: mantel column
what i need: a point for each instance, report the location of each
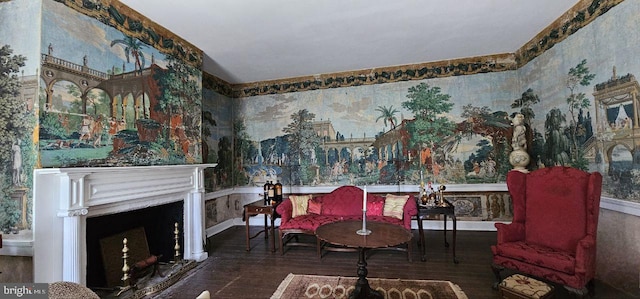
(73, 248)
(73, 211)
(194, 230)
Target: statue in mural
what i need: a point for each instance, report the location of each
(519, 157)
(519, 139)
(17, 164)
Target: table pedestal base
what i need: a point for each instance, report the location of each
(363, 290)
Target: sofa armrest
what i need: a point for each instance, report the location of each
(586, 256)
(285, 209)
(509, 232)
(410, 210)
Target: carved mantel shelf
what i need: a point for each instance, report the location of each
(65, 197)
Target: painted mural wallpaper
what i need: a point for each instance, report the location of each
(19, 64)
(578, 99)
(385, 134)
(110, 99)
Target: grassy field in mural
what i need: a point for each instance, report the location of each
(72, 156)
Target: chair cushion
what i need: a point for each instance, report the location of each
(542, 256)
(308, 222)
(556, 208)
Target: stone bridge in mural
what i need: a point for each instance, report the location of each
(132, 83)
(352, 144)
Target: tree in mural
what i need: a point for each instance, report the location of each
(387, 114)
(133, 48)
(557, 145)
(492, 125)
(302, 139)
(430, 126)
(242, 145)
(208, 122)
(15, 131)
(224, 168)
(577, 101)
(525, 103)
(180, 98)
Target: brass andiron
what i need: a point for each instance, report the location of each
(125, 268)
(176, 233)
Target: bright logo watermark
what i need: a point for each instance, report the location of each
(24, 290)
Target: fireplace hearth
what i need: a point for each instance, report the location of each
(68, 200)
(152, 233)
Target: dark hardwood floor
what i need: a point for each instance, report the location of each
(232, 272)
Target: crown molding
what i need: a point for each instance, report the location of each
(579, 16)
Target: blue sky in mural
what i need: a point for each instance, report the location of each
(71, 42)
(21, 35)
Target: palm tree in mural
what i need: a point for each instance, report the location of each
(387, 114)
(133, 48)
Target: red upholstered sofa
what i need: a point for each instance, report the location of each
(343, 203)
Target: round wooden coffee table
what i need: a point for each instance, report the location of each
(343, 233)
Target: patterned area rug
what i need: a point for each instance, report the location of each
(314, 286)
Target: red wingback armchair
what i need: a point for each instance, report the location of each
(553, 232)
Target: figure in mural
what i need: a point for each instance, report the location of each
(490, 167)
(96, 131)
(85, 128)
(65, 124)
(113, 127)
(17, 164)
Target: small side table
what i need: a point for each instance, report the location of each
(269, 211)
(446, 210)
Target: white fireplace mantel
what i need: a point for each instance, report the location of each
(65, 197)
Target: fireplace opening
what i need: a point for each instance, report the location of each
(156, 224)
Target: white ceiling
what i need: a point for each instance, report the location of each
(257, 40)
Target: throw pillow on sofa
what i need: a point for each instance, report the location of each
(375, 207)
(299, 204)
(314, 207)
(394, 205)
